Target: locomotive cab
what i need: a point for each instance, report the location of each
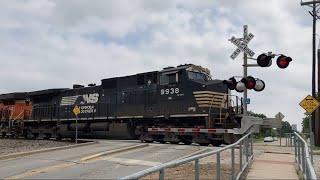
(196, 94)
(14, 108)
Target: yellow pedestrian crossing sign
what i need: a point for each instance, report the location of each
(76, 110)
(309, 103)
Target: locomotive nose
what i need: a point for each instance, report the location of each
(216, 86)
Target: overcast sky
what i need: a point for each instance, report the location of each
(53, 44)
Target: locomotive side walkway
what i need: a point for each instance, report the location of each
(273, 166)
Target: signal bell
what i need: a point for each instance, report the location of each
(283, 61)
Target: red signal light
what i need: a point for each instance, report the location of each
(249, 82)
(283, 61)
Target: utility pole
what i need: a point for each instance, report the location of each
(314, 123)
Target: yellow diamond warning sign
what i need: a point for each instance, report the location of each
(76, 110)
(309, 104)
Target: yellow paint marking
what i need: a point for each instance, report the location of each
(38, 171)
(92, 156)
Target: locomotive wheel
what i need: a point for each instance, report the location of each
(187, 142)
(35, 135)
(204, 144)
(174, 142)
(148, 141)
(162, 142)
(216, 143)
(58, 137)
(46, 137)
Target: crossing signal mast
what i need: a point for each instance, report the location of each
(263, 60)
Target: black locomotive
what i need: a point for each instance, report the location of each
(176, 104)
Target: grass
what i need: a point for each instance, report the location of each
(257, 139)
(316, 148)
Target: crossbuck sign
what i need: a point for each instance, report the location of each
(242, 46)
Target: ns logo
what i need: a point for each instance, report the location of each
(90, 98)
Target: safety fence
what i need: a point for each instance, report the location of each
(303, 157)
(245, 146)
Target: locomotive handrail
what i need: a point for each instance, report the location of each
(210, 110)
(12, 121)
(237, 99)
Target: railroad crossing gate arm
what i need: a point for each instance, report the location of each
(253, 124)
(249, 124)
(271, 123)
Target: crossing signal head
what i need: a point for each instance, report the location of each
(249, 82)
(264, 60)
(231, 83)
(283, 61)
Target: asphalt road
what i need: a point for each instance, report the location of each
(69, 163)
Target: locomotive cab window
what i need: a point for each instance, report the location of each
(169, 78)
(196, 76)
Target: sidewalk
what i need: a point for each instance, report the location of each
(273, 166)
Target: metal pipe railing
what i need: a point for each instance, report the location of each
(303, 159)
(161, 168)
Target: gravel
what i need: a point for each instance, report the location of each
(316, 162)
(8, 146)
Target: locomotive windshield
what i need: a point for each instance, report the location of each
(196, 76)
(198, 73)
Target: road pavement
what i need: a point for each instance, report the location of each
(70, 163)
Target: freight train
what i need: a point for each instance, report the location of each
(176, 104)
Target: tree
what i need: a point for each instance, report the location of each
(250, 113)
(263, 131)
(305, 124)
(286, 128)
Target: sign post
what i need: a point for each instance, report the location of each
(76, 111)
(310, 104)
